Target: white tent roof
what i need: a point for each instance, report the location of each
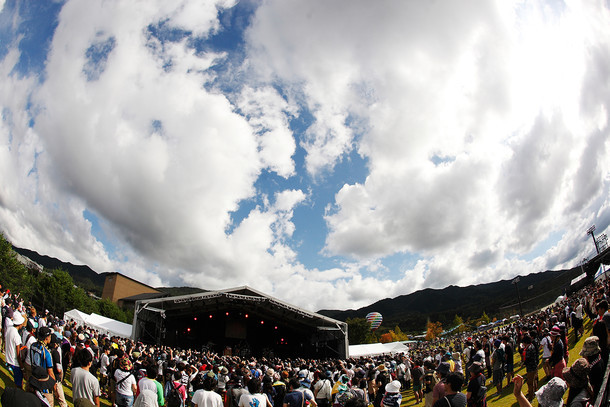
(78, 316)
(105, 325)
(372, 349)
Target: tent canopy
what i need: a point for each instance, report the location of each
(105, 325)
(373, 349)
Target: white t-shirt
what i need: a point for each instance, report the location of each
(12, 340)
(252, 400)
(204, 398)
(546, 347)
(125, 387)
(29, 343)
(323, 387)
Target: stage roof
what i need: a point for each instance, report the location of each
(244, 295)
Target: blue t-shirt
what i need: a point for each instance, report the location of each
(40, 356)
(295, 399)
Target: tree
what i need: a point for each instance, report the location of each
(358, 331)
(433, 330)
(398, 334)
(457, 320)
(386, 338)
(484, 318)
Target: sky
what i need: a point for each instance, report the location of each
(328, 153)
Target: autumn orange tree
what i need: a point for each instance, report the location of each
(433, 330)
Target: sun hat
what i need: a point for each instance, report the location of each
(125, 364)
(551, 394)
(18, 319)
(590, 347)
(40, 379)
(393, 387)
(455, 356)
(577, 375)
(555, 331)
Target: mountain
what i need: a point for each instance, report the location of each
(83, 276)
(497, 300)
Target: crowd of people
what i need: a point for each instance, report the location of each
(43, 352)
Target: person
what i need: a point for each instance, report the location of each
(438, 391)
(547, 347)
(577, 379)
(38, 387)
(84, 384)
(476, 392)
(509, 359)
(322, 389)
(28, 339)
(296, 398)
(392, 396)
(58, 370)
(104, 369)
(12, 346)
(150, 383)
(205, 396)
(530, 360)
(557, 361)
(457, 362)
(39, 351)
(592, 352)
(497, 365)
(453, 397)
(601, 330)
(176, 394)
(549, 395)
(418, 374)
(428, 381)
(254, 397)
(125, 387)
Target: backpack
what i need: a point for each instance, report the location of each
(38, 355)
(429, 382)
(173, 398)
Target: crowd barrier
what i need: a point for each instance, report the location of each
(604, 392)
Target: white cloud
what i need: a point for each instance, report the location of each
(484, 128)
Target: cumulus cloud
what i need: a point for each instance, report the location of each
(483, 128)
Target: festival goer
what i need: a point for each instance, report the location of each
(84, 384)
(392, 396)
(125, 383)
(322, 390)
(577, 378)
(549, 395)
(476, 392)
(530, 360)
(591, 351)
(12, 343)
(453, 397)
(205, 396)
(254, 397)
(557, 361)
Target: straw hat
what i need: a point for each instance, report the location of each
(590, 347)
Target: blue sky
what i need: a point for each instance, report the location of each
(329, 154)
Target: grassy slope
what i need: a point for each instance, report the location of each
(506, 399)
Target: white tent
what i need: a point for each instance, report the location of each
(78, 316)
(372, 349)
(104, 325)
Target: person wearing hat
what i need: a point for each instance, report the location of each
(591, 352)
(557, 361)
(392, 396)
(40, 355)
(577, 378)
(125, 387)
(476, 392)
(438, 391)
(549, 395)
(457, 362)
(12, 346)
(41, 384)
